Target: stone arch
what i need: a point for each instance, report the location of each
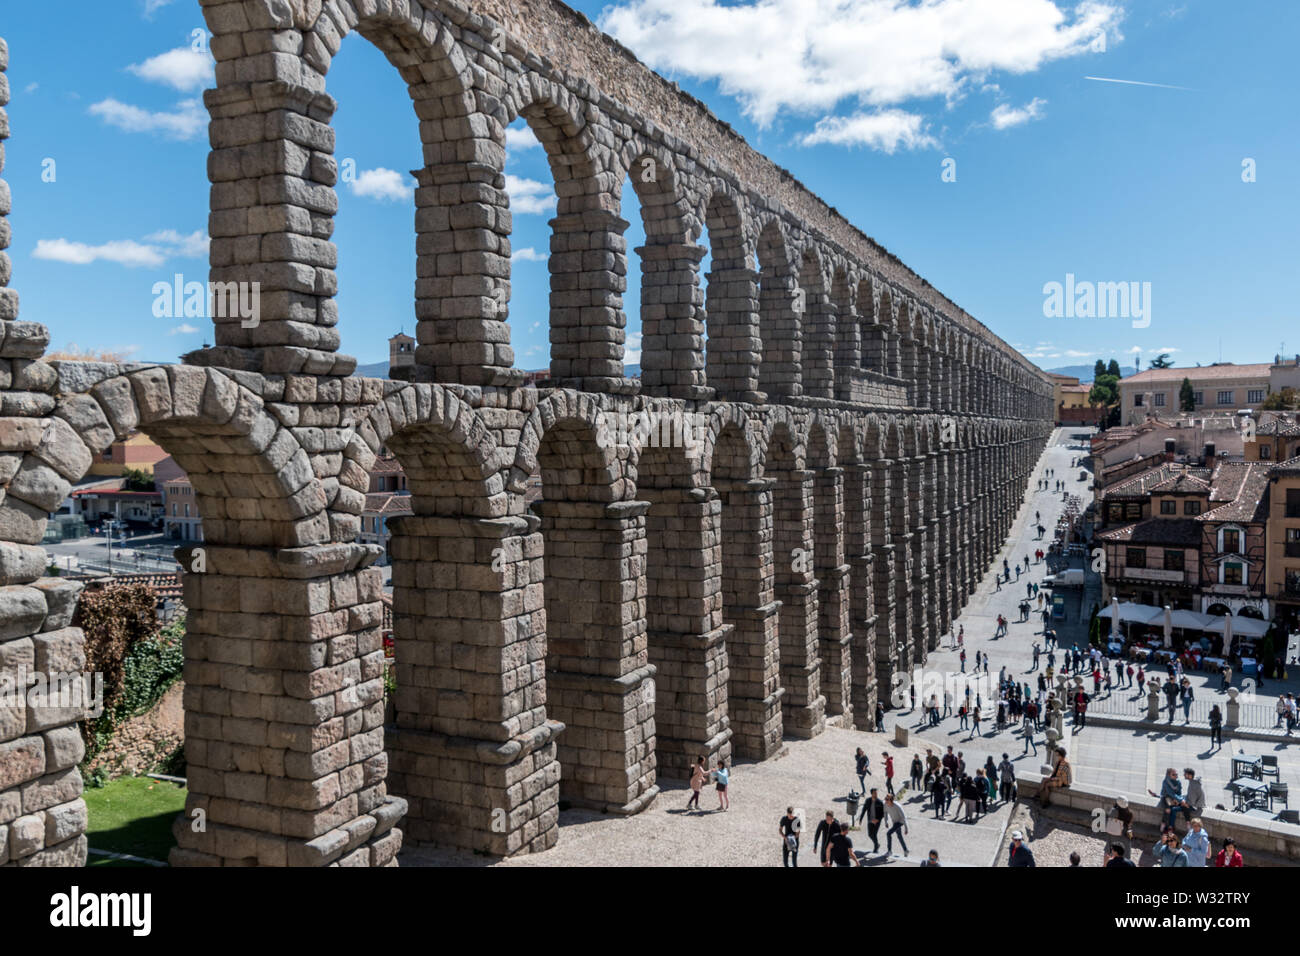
(735, 347)
(818, 321)
(596, 662)
(290, 167)
(672, 304)
(780, 375)
(848, 332)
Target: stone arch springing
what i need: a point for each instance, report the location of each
(829, 566)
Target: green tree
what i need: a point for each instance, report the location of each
(1186, 396)
(1098, 370)
(1104, 391)
(137, 479)
(1161, 361)
(1280, 401)
(1113, 369)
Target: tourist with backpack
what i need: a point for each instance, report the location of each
(790, 827)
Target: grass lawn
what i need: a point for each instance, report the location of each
(133, 815)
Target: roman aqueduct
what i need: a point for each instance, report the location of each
(866, 444)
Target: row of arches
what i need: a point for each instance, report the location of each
(654, 604)
(787, 312)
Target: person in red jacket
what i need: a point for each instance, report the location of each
(1228, 856)
(889, 772)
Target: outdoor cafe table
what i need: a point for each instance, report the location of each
(1247, 790)
(1247, 765)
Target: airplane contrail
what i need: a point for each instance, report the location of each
(1163, 86)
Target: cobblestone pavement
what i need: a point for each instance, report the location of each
(814, 775)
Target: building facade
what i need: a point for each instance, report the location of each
(1221, 388)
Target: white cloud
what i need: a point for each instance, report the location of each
(386, 185)
(183, 68)
(126, 252)
(632, 349)
(153, 251)
(521, 137)
(31, 87)
(529, 197)
(809, 55)
(1167, 348)
(193, 246)
(183, 329)
(529, 254)
(153, 6)
(1004, 116)
(1075, 353)
(187, 121)
(886, 130)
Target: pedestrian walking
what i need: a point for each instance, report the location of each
(918, 771)
(862, 765)
(873, 812)
(897, 821)
(1020, 854)
(822, 837)
(889, 772)
(1216, 726)
(722, 776)
(1007, 779)
(790, 827)
(699, 773)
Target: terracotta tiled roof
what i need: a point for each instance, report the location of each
(1241, 487)
(1161, 376)
(1182, 483)
(387, 466)
(1289, 467)
(1169, 532)
(1279, 426)
(387, 503)
(1142, 484)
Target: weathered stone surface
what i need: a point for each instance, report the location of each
(60, 600)
(22, 611)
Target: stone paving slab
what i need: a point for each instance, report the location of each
(811, 774)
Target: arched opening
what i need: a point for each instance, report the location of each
(687, 642)
(780, 374)
(831, 572)
(530, 185)
(802, 704)
(748, 599)
(818, 322)
(731, 305)
(599, 682)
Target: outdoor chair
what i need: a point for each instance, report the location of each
(1289, 816)
(1276, 792)
(1268, 767)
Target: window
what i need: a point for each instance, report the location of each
(1198, 398)
(1293, 582)
(1133, 510)
(1231, 541)
(187, 511)
(1160, 399)
(1293, 542)
(1168, 506)
(1116, 512)
(1225, 397)
(1137, 399)
(1173, 560)
(1265, 452)
(1254, 396)
(1135, 557)
(1293, 502)
(1191, 507)
(1232, 572)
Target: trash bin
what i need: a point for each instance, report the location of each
(851, 805)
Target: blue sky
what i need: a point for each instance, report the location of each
(863, 100)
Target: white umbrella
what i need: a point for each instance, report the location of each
(1227, 633)
(1169, 627)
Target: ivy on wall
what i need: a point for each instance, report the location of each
(138, 659)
